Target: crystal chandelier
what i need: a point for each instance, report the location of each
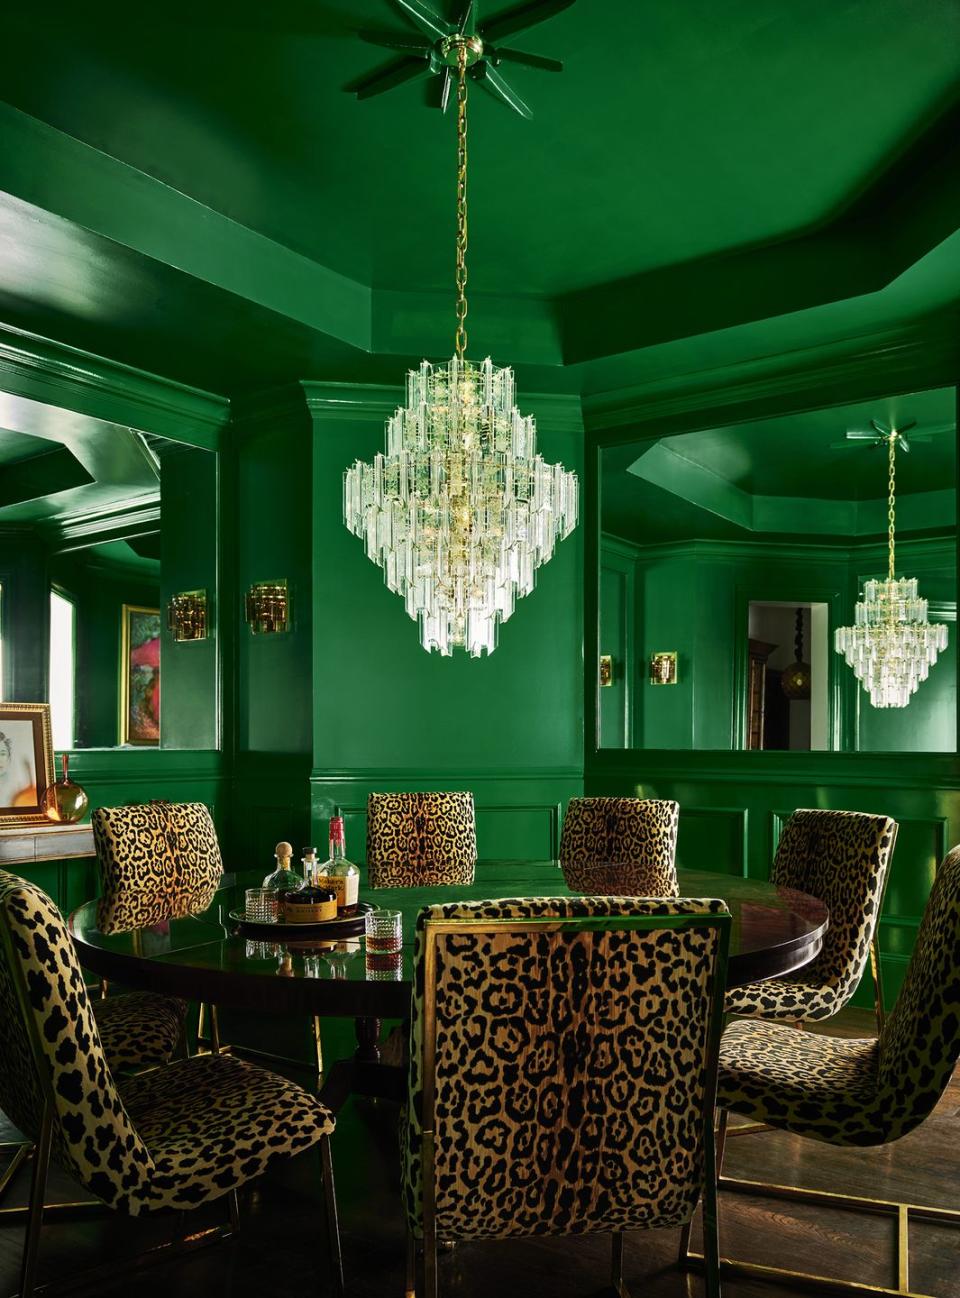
(891, 646)
(460, 510)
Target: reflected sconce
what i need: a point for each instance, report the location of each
(267, 606)
(606, 669)
(187, 615)
(663, 668)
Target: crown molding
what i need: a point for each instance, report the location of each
(134, 518)
(51, 373)
(811, 377)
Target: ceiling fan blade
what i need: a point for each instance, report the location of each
(494, 82)
(388, 42)
(520, 17)
(437, 90)
(465, 17)
(904, 427)
(426, 18)
(395, 74)
(884, 432)
(903, 444)
(500, 54)
(862, 435)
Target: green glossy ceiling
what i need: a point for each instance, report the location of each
(749, 120)
(787, 477)
(191, 189)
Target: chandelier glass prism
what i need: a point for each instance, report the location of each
(891, 646)
(460, 509)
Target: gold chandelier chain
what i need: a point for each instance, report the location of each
(460, 346)
(892, 501)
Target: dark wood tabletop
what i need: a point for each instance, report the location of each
(206, 957)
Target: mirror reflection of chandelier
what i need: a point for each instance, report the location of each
(891, 646)
(460, 510)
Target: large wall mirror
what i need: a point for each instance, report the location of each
(100, 529)
(729, 557)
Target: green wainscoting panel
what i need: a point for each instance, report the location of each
(718, 792)
(519, 813)
(116, 777)
(270, 803)
(713, 838)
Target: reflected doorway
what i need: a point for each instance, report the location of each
(787, 693)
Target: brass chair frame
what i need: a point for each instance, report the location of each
(37, 1209)
(433, 929)
(903, 1212)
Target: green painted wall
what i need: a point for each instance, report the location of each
(693, 597)
(189, 675)
(390, 716)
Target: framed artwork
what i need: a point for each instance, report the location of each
(139, 675)
(26, 762)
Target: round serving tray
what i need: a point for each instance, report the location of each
(280, 930)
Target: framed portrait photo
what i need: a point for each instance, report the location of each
(139, 675)
(26, 762)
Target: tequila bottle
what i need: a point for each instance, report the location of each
(284, 878)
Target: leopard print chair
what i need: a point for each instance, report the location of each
(860, 1093)
(542, 1098)
(417, 840)
(177, 1137)
(620, 845)
(158, 861)
(842, 858)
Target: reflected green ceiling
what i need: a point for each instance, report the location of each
(782, 477)
(193, 191)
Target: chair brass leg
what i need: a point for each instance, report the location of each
(38, 1187)
(410, 1284)
(877, 971)
(713, 1161)
(330, 1213)
(214, 1031)
(720, 1141)
(233, 1205)
(21, 1155)
(318, 1045)
(429, 1261)
(616, 1266)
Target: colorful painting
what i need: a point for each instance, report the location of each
(26, 762)
(140, 675)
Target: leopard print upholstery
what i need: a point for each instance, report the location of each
(139, 1029)
(861, 1092)
(417, 840)
(570, 1067)
(172, 1138)
(158, 861)
(149, 851)
(626, 846)
(842, 858)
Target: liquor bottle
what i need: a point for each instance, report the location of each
(284, 877)
(337, 872)
(312, 901)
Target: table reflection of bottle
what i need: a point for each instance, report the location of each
(340, 956)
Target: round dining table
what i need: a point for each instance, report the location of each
(207, 956)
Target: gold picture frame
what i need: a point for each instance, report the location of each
(139, 722)
(26, 762)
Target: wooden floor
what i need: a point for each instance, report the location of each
(281, 1225)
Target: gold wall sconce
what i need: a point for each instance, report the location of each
(267, 606)
(606, 669)
(187, 615)
(663, 668)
